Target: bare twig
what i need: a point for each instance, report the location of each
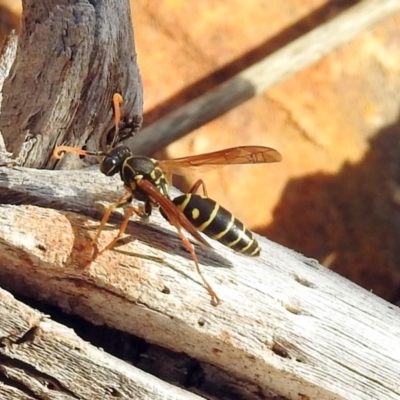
(258, 78)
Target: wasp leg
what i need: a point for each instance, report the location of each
(196, 187)
(122, 228)
(168, 177)
(189, 247)
(122, 201)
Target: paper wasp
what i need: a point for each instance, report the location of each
(148, 180)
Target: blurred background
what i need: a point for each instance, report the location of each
(336, 194)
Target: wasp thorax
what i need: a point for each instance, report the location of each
(112, 162)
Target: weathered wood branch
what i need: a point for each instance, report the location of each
(71, 57)
(258, 78)
(286, 324)
(42, 359)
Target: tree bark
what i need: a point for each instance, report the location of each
(71, 57)
(286, 324)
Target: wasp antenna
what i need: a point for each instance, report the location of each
(117, 100)
(60, 150)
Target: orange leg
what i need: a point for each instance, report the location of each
(168, 177)
(122, 228)
(196, 186)
(123, 200)
(189, 247)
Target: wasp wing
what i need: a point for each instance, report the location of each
(175, 216)
(234, 155)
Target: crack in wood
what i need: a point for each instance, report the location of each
(8, 365)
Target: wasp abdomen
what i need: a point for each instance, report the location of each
(216, 222)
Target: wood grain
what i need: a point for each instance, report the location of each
(70, 59)
(42, 359)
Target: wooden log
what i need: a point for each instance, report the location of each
(259, 77)
(41, 359)
(286, 324)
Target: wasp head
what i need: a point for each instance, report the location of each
(113, 161)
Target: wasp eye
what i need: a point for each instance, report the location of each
(109, 166)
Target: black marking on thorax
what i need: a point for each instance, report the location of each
(139, 167)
